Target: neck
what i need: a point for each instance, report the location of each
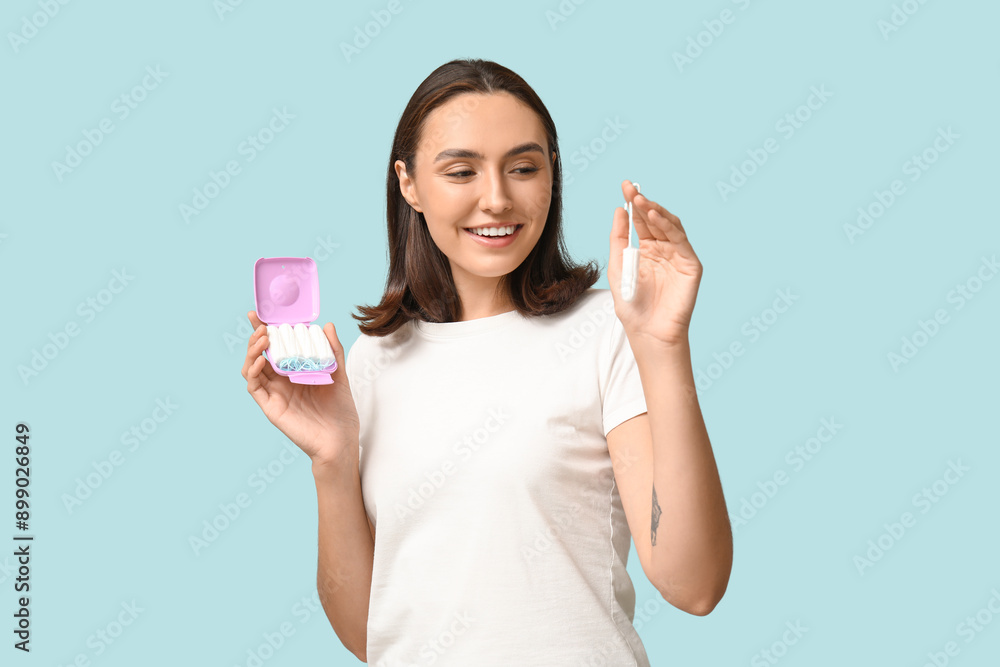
(480, 299)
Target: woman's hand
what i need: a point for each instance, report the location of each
(668, 276)
(321, 419)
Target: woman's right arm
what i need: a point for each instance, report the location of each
(322, 420)
(346, 551)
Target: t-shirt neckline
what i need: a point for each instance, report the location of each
(465, 328)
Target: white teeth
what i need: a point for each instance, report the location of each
(494, 231)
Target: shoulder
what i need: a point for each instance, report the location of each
(589, 324)
(364, 344)
(359, 360)
(367, 347)
(592, 302)
(597, 313)
(596, 308)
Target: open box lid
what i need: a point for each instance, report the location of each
(286, 290)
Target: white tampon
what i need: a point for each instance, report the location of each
(274, 343)
(287, 337)
(321, 345)
(630, 259)
(303, 346)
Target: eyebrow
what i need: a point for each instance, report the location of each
(466, 153)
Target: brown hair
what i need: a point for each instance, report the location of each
(420, 284)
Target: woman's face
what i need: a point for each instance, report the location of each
(465, 177)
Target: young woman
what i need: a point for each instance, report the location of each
(501, 430)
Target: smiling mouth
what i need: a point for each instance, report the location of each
(490, 232)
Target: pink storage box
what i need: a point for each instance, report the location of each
(286, 291)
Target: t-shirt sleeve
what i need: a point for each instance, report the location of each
(350, 370)
(348, 367)
(621, 388)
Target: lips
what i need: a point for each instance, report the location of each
(495, 241)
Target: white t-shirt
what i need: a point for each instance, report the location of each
(500, 537)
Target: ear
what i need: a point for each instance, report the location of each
(406, 185)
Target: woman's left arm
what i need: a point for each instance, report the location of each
(691, 551)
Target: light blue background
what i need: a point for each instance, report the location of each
(178, 330)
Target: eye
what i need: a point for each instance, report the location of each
(465, 172)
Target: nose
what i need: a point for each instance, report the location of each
(494, 196)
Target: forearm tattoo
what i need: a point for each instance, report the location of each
(655, 517)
